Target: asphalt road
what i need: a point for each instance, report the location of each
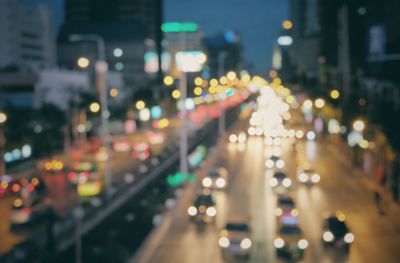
(249, 193)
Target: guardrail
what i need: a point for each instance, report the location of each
(59, 235)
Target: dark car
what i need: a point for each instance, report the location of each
(203, 209)
(336, 232)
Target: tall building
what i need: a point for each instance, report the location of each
(305, 49)
(26, 40)
(124, 25)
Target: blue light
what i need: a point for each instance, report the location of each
(156, 112)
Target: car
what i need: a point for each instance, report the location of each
(280, 182)
(289, 241)
(308, 176)
(235, 239)
(336, 232)
(216, 179)
(27, 212)
(274, 161)
(203, 209)
(286, 207)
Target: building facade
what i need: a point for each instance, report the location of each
(26, 40)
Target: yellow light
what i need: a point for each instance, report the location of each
(231, 75)
(94, 107)
(335, 94)
(212, 89)
(168, 80)
(176, 94)
(287, 24)
(202, 58)
(17, 202)
(364, 144)
(273, 73)
(307, 104)
(197, 91)
(223, 80)
(3, 117)
(358, 125)
(213, 82)
(140, 105)
(246, 78)
(319, 103)
(290, 99)
(35, 181)
(83, 62)
(198, 81)
(163, 123)
(114, 92)
(277, 81)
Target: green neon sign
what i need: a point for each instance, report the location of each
(176, 27)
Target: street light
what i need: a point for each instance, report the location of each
(359, 125)
(319, 103)
(335, 94)
(94, 107)
(83, 62)
(3, 119)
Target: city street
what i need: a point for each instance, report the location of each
(249, 194)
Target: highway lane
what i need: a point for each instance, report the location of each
(341, 188)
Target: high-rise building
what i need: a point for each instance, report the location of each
(304, 51)
(26, 40)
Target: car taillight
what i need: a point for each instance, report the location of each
(26, 211)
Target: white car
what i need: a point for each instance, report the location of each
(308, 176)
(217, 179)
(274, 161)
(279, 182)
(236, 237)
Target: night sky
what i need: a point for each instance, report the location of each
(257, 21)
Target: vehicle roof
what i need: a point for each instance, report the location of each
(279, 175)
(285, 200)
(290, 230)
(204, 200)
(336, 226)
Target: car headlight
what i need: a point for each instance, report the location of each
(278, 212)
(269, 163)
(211, 211)
(328, 236)
(349, 238)
(206, 182)
(280, 164)
(242, 137)
(303, 177)
(192, 211)
(279, 242)
(287, 182)
(223, 242)
(302, 244)
(220, 183)
(246, 243)
(294, 212)
(315, 178)
(273, 182)
(233, 138)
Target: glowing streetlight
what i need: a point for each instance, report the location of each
(359, 125)
(83, 62)
(231, 75)
(94, 107)
(287, 24)
(114, 92)
(335, 94)
(307, 104)
(176, 94)
(140, 105)
(197, 91)
(168, 80)
(3, 117)
(319, 103)
(198, 81)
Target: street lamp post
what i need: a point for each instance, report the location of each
(101, 68)
(3, 119)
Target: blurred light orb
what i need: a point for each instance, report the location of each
(335, 94)
(358, 125)
(94, 107)
(83, 62)
(3, 117)
(140, 105)
(118, 52)
(168, 80)
(319, 103)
